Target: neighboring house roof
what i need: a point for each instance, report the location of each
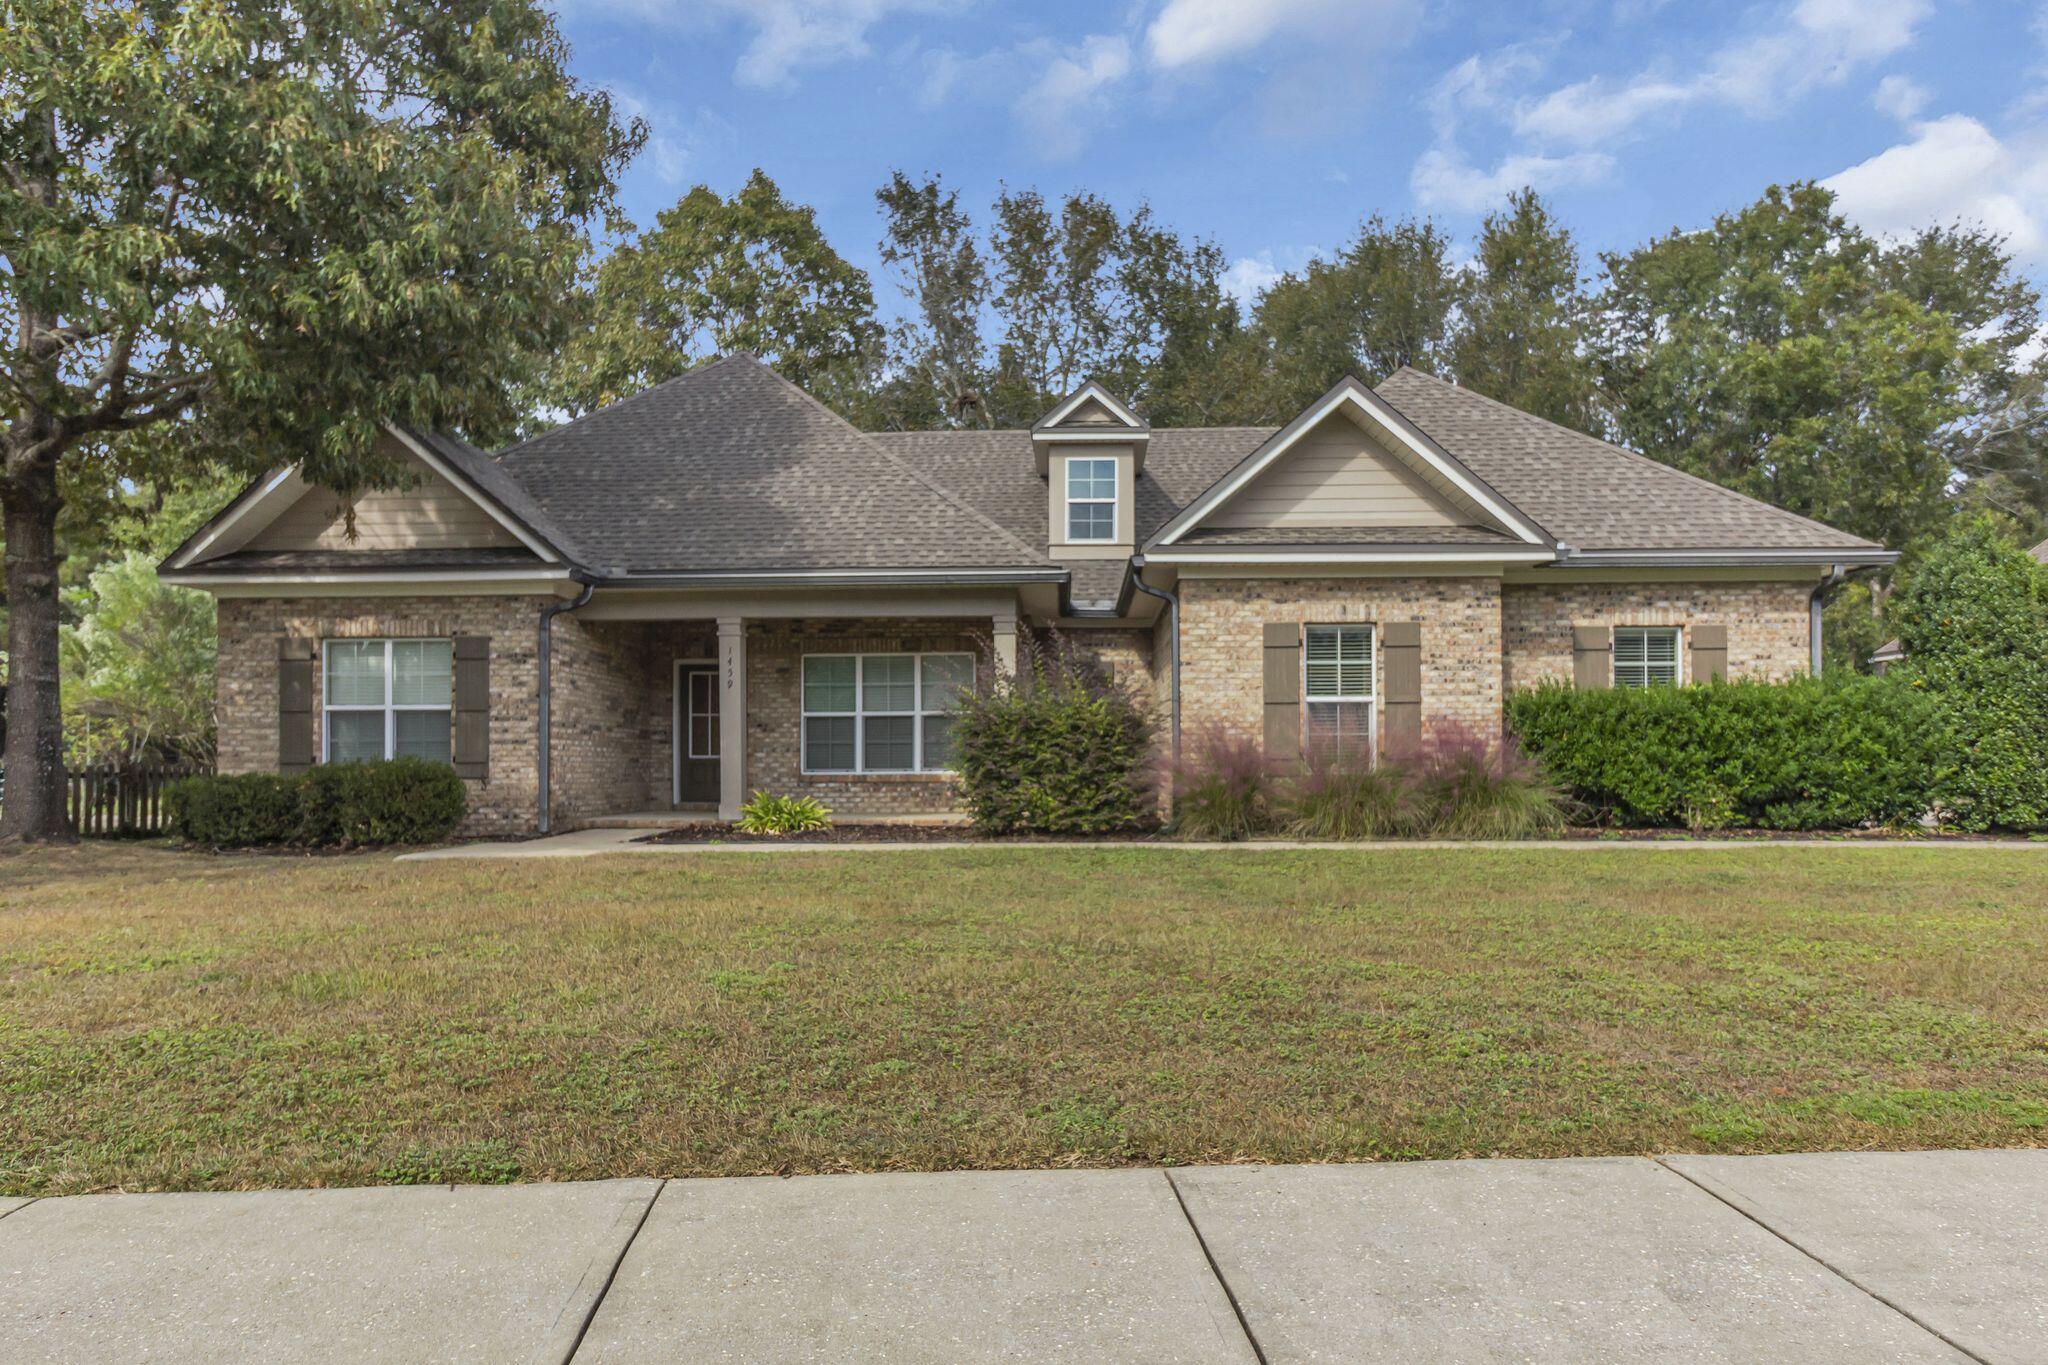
(1592, 495)
(731, 468)
(1891, 651)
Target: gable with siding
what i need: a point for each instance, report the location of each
(1338, 474)
(429, 514)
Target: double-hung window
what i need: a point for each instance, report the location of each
(1337, 683)
(881, 713)
(388, 699)
(1645, 656)
(1091, 500)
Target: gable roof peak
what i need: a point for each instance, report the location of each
(1092, 389)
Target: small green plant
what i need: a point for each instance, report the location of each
(1343, 795)
(766, 814)
(1224, 787)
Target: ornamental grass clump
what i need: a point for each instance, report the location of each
(1470, 785)
(1224, 787)
(766, 814)
(1342, 794)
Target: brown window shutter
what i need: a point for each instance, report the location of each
(473, 706)
(1709, 652)
(1401, 684)
(295, 750)
(1283, 689)
(1592, 656)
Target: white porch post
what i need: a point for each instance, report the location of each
(732, 716)
(1004, 628)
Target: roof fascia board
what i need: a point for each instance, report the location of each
(200, 578)
(519, 530)
(1090, 388)
(1350, 391)
(258, 494)
(1625, 559)
(1101, 436)
(1312, 555)
(836, 577)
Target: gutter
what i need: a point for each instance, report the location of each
(1815, 604)
(1172, 600)
(545, 738)
(839, 578)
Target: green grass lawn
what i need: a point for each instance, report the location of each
(174, 1021)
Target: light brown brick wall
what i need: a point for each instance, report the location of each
(1222, 641)
(1767, 623)
(246, 681)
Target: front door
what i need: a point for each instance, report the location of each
(698, 750)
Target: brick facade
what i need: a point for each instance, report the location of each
(246, 681)
(1222, 641)
(1767, 623)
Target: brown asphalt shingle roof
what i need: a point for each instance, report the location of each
(1590, 494)
(733, 468)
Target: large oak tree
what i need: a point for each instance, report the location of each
(264, 224)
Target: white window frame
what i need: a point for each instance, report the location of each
(1370, 698)
(1115, 481)
(390, 708)
(1677, 635)
(860, 713)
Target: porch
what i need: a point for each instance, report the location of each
(670, 709)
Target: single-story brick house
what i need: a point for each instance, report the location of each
(718, 586)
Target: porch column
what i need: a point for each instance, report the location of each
(732, 716)
(1004, 629)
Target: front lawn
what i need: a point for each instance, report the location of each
(176, 1021)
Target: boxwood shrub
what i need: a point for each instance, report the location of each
(1807, 754)
(336, 805)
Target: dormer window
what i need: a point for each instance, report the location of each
(1091, 500)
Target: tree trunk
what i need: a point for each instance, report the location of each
(32, 809)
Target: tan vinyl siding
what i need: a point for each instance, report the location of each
(1090, 411)
(1337, 475)
(430, 515)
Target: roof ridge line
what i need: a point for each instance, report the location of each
(952, 498)
(608, 407)
(1635, 455)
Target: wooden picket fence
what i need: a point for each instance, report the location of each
(111, 800)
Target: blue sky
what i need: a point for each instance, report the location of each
(1275, 126)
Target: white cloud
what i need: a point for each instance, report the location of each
(788, 35)
(676, 137)
(1250, 276)
(1444, 179)
(1595, 111)
(1188, 32)
(1067, 98)
(1901, 97)
(1952, 169)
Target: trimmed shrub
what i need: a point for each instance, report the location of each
(232, 812)
(1343, 796)
(1063, 749)
(1974, 621)
(336, 805)
(1472, 786)
(1224, 787)
(1831, 753)
(766, 814)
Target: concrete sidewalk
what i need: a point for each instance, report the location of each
(1851, 1257)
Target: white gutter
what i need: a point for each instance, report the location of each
(538, 574)
(1312, 554)
(1651, 559)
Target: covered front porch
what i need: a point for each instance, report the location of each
(674, 706)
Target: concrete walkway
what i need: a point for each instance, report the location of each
(1937, 1256)
(585, 843)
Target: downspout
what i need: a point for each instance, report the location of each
(1814, 606)
(1172, 601)
(548, 614)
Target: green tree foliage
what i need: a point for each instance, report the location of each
(1387, 300)
(714, 276)
(942, 272)
(1784, 353)
(271, 224)
(1974, 620)
(138, 669)
(1521, 333)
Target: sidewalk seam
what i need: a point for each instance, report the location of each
(1824, 1263)
(1244, 1324)
(22, 1205)
(611, 1274)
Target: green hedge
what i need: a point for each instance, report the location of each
(336, 805)
(1833, 753)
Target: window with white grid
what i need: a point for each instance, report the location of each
(881, 713)
(1645, 656)
(1339, 686)
(388, 699)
